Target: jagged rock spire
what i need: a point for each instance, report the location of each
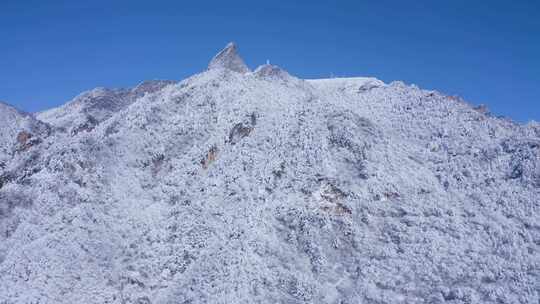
(228, 58)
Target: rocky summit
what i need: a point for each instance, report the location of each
(234, 186)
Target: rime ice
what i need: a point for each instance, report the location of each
(258, 187)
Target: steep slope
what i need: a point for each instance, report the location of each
(258, 187)
(228, 59)
(18, 132)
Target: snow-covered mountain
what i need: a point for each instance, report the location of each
(18, 132)
(235, 186)
(92, 107)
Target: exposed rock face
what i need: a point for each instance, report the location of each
(229, 59)
(265, 188)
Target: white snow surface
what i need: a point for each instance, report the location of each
(259, 187)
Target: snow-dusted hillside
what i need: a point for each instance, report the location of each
(235, 186)
(18, 132)
(92, 107)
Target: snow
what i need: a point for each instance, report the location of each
(258, 187)
(229, 59)
(97, 105)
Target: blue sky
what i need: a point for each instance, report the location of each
(485, 51)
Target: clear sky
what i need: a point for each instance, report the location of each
(484, 51)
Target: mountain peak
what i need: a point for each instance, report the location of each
(271, 71)
(228, 58)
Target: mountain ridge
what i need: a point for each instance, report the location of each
(241, 187)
